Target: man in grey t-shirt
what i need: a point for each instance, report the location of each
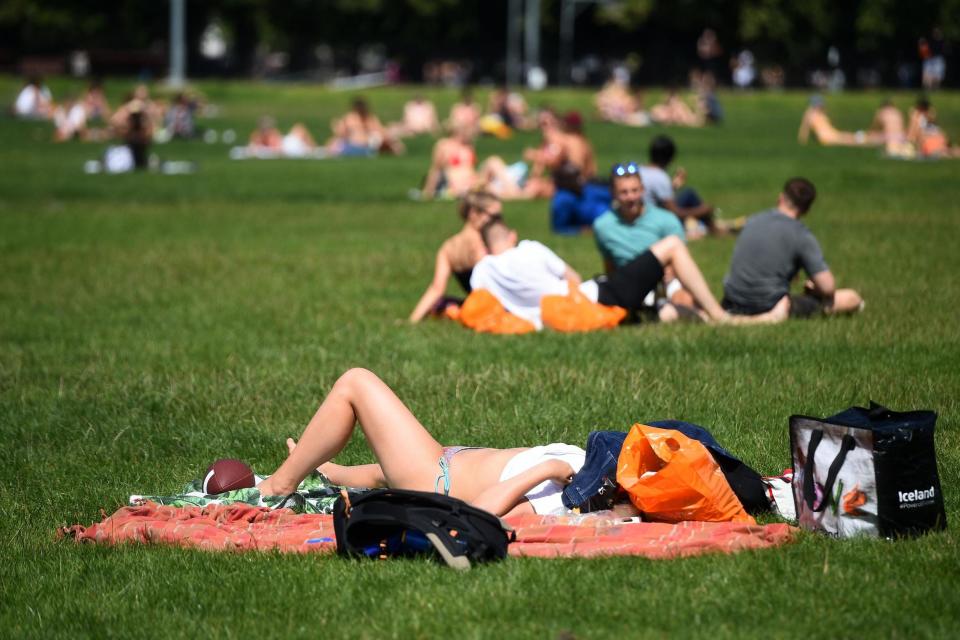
(771, 250)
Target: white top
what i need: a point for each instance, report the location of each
(29, 100)
(546, 498)
(657, 184)
(519, 277)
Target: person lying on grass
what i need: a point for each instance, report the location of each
(519, 275)
(461, 252)
(502, 481)
(816, 121)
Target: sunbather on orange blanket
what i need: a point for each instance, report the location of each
(502, 481)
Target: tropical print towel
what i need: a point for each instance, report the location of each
(316, 494)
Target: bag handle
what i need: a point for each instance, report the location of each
(847, 444)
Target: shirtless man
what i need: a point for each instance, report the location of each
(465, 114)
(673, 110)
(816, 120)
(360, 132)
(888, 121)
(453, 168)
(563, 143)
(419, 116)
(550, 155)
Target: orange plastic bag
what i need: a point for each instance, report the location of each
(672, 478)
(575, 312)
(482, 312)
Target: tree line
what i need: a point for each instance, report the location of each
(657, 36)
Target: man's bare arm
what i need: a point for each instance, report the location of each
(823, 285)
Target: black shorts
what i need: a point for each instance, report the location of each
(629, 285)
(801, 306)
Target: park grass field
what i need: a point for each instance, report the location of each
(150, 324)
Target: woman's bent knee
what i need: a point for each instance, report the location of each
(354, 378)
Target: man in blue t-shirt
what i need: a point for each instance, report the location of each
(626, 232)
(577, 202)
(772, 248)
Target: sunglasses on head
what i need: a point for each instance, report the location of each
(625, 169)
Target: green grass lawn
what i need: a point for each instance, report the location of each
(150, 324)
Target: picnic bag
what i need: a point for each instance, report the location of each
(386, 523)
(867, 472)
(671, 478)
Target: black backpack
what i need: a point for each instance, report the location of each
(393, 522)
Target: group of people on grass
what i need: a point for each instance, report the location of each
(358, 132)
(578, 201)
(640, 235)
(617, 102)
(454, 170)
(642, 247)
(643, 251)
(917, 136)
(88, 116)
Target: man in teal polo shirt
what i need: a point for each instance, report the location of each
(633, 226)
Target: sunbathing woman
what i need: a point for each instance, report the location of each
(816, 120)
(675, 111)
(465, 115)
(461, 252)
(501, 481)
(453, 168)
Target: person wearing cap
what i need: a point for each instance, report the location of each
(772, 248)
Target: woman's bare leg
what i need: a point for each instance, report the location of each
(407, 453)
(361, 475)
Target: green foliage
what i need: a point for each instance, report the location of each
(627, 15)
(150, 324)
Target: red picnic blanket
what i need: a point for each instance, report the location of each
(243, 527)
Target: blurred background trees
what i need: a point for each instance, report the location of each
(871, 41)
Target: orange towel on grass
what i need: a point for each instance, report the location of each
(482, 312)
(242, 527)
(575, 312)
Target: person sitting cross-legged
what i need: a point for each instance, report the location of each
(520, 274)
(771, 250)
